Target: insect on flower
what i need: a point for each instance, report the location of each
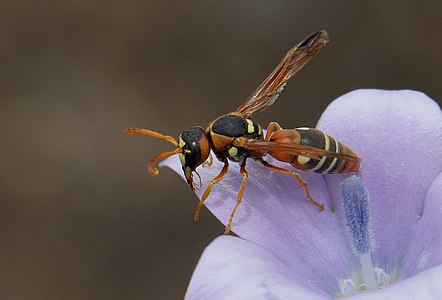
(236, 137)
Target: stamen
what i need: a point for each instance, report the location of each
(383, 279)
(347, 288)
(357, 214)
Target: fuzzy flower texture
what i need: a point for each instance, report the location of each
(380, 235)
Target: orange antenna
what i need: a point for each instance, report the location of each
(157, 135)
(151, 165)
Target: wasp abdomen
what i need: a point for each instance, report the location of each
(315, 138)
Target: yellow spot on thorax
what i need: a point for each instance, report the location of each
(233, 152)
(250, 127)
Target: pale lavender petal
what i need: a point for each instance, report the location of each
(398, 134)
(426, 249)
(425, 285)
(232, 268)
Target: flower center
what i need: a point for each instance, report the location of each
(356, 284)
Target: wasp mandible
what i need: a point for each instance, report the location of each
(236, 137)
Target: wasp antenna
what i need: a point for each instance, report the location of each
(151, 165)
(167, 138)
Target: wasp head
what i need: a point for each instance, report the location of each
(195, 150)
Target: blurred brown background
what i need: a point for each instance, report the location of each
(80, 218)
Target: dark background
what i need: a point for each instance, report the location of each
(80, 218)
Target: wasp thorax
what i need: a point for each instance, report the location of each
(196, 149)
(228, 134)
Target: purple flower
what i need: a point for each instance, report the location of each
(286, 249)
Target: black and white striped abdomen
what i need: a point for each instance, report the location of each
(316, 138)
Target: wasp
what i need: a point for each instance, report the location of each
(235, 137)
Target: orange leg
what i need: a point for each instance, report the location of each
(244, 174)
(209, 188)
(151, 133)
(298, 178)
(151, 165)
(273, 126)
(209, 162)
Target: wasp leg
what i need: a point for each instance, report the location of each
(298, 178)
(151, 165)
(273, 126)
(244, 174)
(209, 162)
(151, 133)
(209, 188)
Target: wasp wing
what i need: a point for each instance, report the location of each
(312, 152)
(295, 59)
